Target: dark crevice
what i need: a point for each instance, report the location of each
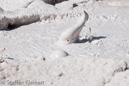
(14, 26)
(11, 27)
(54, 2)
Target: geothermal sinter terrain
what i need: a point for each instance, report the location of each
(64, 42)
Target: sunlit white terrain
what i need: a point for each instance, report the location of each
(64, 43)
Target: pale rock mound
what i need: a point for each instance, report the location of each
(29, 12)
(71, 35)
(25, 12)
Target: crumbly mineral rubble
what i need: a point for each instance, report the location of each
(72, 71)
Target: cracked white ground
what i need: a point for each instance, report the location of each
(31, 52)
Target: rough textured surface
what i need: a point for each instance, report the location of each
(83, 72)
(23, 12)
(25, 50)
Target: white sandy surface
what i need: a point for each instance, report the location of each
(32, 52)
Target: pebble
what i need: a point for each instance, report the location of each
(58, 54)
